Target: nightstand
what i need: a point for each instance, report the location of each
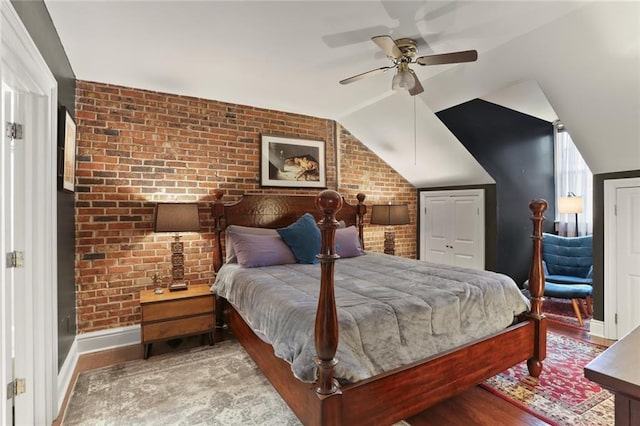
(174, 314)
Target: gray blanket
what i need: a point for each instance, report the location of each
(392, 311)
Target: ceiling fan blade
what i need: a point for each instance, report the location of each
(448, 58)
(417, 88)
(387, 45)
(366, 74)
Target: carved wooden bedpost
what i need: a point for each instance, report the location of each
(361, 211)
(536, 287)
(326, 327)
(217, 211)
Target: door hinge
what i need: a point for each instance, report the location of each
(15, 388)
(15, 259)
(13, 130)
(615, 318)
(615, 210)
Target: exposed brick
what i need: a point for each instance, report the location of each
(137, 147)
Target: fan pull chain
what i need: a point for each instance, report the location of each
(415, 148)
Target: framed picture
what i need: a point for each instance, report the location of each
(295, 163)
(66, 150)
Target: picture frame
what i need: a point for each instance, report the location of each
(66, 150)
(292, 162)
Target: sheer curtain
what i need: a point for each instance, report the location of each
(573, 176)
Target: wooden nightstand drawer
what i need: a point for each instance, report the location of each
(181, 327)
(175, 314)
(177, 308)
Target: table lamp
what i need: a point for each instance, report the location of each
(177, 217)
(389, 215)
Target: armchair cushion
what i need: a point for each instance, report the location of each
(567, 291)
(567, 256)
(567, 279)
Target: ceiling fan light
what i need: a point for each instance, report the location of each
(403, 80)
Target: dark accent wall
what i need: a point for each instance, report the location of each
(490, 221)
(517, 151)
(598, 237)
(36, 19)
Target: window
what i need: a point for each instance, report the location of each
(572, 176)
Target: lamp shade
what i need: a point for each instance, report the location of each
(177, 217)
(390, 214)
(570, 204)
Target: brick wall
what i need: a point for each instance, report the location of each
(137, 147)
(363, 171)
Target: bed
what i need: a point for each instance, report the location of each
(378, 395)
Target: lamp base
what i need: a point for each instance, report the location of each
(178, 285)
(389, 242)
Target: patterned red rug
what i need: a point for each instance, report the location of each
(561, 311)
(561, 395)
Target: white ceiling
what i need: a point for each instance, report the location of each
(583, 57)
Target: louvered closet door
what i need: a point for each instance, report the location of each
(452, 228)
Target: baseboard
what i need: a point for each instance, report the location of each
(596, 328)
(65, 375)
(111, 338)
(88, 343)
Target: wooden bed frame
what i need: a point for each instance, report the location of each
(394, 395)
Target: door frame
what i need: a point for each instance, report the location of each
(610, 282)
(454, 192)
(19, 52)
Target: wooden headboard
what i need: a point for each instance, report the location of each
(275, 211)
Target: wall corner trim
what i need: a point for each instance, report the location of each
(597, 328)
(111, 338)
(65, 375)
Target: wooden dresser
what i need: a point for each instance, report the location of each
(174, 314)
(618, 369)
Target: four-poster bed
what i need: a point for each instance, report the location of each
(392, 395)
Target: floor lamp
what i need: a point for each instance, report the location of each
(177, 217)
(389, 215)
(571, 204)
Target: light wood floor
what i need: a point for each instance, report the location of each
(476, 406)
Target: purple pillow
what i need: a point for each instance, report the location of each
(260, 250)
(231, 254)
(347, 242)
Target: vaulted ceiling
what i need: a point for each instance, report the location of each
(577, 61)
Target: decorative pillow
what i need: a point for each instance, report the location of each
(252, 250)
(231, 255)
(303, 238)
(348, 243)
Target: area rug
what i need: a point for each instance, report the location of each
(561, 395)
(209, 385)
(216, 385)
(561, 311)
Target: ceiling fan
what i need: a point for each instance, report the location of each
(402, 52)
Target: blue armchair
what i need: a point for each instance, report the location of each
(568, 270)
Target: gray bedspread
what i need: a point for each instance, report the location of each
(391, 310)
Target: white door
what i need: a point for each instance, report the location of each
(28, 343)
(435, 239)
(13, 235)
(628, 259)
(17, 334)
(452, 227)
(621, 256)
